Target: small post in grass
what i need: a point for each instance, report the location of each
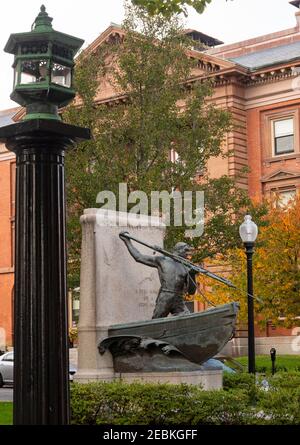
(273, 359)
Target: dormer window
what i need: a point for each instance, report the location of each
(283, 136)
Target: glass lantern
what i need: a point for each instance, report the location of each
(248, 230)
(43, 68)
(33, 71)
(61, 75)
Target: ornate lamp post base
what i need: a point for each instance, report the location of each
(41, 382)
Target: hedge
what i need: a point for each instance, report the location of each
(155, 404)
(241, 402)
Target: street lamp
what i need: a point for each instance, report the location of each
(43, 70)
(248, 233)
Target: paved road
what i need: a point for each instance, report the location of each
(6, 394)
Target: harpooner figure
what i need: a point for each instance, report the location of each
(176, 279)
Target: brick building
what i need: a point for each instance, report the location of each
(257, 80)
(269, 106)
(7, 221)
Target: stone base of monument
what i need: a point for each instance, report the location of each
(208, 379)
(91, 375)
(209, 376)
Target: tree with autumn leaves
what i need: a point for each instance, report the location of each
(276, 269)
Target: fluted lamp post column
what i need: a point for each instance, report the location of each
(43, 82)
(248, 234)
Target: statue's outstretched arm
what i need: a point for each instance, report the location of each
(138, 256)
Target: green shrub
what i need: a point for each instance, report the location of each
(242, 381)
(279, 407)
(135, 404)
(242, 402)
(285, 380)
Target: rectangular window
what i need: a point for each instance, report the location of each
(285, 197)
(284, 136)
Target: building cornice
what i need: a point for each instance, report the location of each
(7, 156)
(269, 76)
(279, 175)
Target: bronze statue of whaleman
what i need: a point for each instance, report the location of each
(176, 278)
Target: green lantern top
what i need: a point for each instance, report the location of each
(43, 21)
(43, 68)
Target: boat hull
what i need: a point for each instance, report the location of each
(198, 336)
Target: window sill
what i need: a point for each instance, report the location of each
(279, 158)
(5, 270)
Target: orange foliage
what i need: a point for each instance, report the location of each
(276, 269)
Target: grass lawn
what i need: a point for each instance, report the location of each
(6, 413)
(283, 363)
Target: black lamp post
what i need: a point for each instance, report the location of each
(43, 66)
(248, 233)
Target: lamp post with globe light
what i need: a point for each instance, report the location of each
(248, 233)
(43, 82)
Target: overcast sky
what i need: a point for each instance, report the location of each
(229, 21)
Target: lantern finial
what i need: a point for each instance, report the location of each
(43, 21)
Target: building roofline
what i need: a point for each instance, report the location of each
(9, 110)
(112, 29)
(254, 41)
(269, 57)
(116, 29)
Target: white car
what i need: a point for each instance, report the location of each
(6, 368)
